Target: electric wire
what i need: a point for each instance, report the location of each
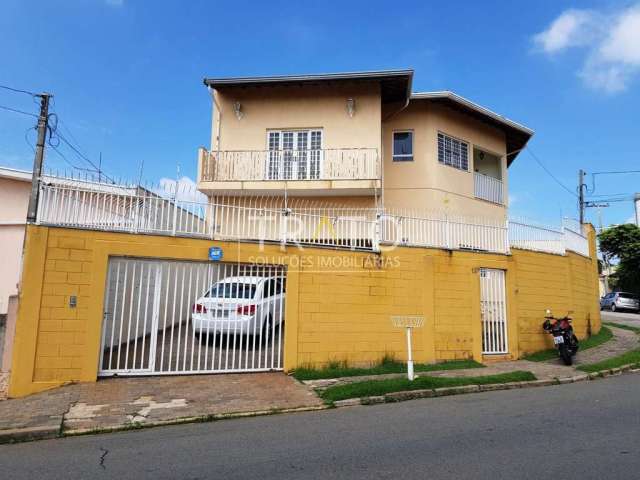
(551, 174)
(15, 110)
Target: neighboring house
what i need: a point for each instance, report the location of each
(15, 187)
(80, 202)
(358, 139)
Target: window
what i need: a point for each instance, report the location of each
(402, 146)
(232, 290)
(294, 154)
(453, 152)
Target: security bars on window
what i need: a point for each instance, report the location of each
(453, 152)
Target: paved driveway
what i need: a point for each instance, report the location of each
(118, 402)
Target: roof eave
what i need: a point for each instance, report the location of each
(474, 106)
(378, 74)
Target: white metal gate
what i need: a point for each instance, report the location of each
(178, 317)
(493, 311)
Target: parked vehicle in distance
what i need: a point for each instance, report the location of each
(564, 339)
(247, 305)
(620, 301)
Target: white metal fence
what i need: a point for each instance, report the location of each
(169, 317)
(308, 164)
(488, 188)
(493, 311)
(277, 219)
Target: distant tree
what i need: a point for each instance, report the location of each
(622, 243)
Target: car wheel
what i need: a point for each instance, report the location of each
(613, 307)
(266, 329)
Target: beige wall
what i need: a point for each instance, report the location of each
(14, 199)
(425, 183)
(324, 107)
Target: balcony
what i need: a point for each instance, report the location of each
(339, 171)
(488, 188)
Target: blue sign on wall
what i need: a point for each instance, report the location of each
(215, 254)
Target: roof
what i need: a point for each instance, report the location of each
(517, 134)
(15, 174)
(396, 84)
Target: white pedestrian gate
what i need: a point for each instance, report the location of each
(493, 311)
(178, 317)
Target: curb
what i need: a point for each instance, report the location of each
(184, 420)
(445, 391)
(28, 434)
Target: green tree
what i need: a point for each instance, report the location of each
(622, 243)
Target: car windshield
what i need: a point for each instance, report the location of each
(628, 295)
(232, 290)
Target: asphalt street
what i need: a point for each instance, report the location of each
(584, 430)
(626, 318)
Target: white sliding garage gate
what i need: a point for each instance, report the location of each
(493, 310)
(178, 317)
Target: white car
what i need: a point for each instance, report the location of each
(248, 305)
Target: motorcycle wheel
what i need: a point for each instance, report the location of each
(574, 345)
(565, 354)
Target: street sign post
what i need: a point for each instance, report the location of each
(408, 322)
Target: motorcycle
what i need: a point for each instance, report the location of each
(564, 339)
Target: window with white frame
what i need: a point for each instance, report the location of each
(294, 154)
(403, 146)
(453, 152)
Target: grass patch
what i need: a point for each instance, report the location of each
(604, 335)
(380, 387)
(386, 365)
(623, 326)
(631, 357)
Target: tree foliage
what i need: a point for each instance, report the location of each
(622, 243)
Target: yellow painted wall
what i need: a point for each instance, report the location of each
(338, 305)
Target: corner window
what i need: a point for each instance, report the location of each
(402, 146)
(453, 152)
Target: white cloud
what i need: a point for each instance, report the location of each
(186, 190)
(572, 28)
(611, 41)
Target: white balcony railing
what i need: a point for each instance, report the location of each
(261, 165)
(488, 188)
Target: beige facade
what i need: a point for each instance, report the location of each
(424, 182)
(356, 117)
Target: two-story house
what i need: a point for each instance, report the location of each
(360, 139)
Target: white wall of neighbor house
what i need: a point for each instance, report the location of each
(14, 200)
(424, 182)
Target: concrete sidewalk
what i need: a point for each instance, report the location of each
(622, 341)
(118, 403)
(131, 402)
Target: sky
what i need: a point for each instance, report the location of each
(126, 76)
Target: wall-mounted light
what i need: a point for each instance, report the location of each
(237, 109)
(351, 107)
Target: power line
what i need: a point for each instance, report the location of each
(82, 156)
(551, 174)
(615, 172)
(18, 90)
(15, 110)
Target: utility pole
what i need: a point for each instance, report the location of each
(581, 187)
(636, 201)
(43, 124)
